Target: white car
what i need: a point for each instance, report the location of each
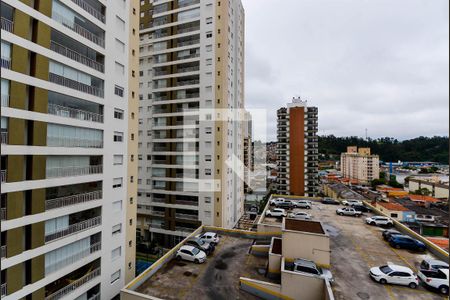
(276, 201)
(210, 237)
(346, 211)
(379, 221)
(303, 204)
(394, 274)
(190, 253)
(351, 202)
(437, 279)
(276, 212)
(300, 215)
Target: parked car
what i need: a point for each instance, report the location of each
(276, 201)
(394, 274)
(330, 201)
(390, 232)
(351, 202)
(379, 221)
(361, 208)
(276, 212)
(287, 204)
(190, 253)
(348, 211)
(303, 204)
(300, 215)
(436, 279)
(406, 242)
(310, 267)
(433, 264)
(201, 244)
(210, 237)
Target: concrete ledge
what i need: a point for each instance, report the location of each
(262, 289)
(436, 250)
(260, 250)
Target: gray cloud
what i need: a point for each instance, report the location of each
(381, 65)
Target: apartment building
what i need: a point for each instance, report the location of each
(249, 155)
(190, 117)
(69, 88)
(360, 165)
(297, 149)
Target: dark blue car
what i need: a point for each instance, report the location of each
(406, 242)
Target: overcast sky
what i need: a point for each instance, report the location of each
(379, 64)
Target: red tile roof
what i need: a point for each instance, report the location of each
(443, 243)
(422, 198)
(393, 206)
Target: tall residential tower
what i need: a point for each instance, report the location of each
(69, 97)
(359, 165)
(297, 149)
(191, 117)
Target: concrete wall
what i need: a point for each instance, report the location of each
(262, 289)
(274, 264)
(301, 287)
(310, 246)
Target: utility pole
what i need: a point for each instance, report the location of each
(366, 135)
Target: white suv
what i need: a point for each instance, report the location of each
(395, 275)
(276, 212)
(276, 201)
(379, 221)
(209, 237)
(190, 253)
(303, 204)
(351, 202)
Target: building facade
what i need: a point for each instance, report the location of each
(360, 165)
(297, 149)
(190, 116)
(69, 102)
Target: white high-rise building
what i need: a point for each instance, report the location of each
(191, 117)
(69, 71)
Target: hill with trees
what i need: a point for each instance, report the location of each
(389, 149)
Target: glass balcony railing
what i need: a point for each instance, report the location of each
(3, 287)
(70, 142)
(68, 112)
(3, 213)
(73, 171)
(72, 229)
(3, 251)
(72, 200)
(4, 137)
(79, 29)
(90, 9)
(73, 84)
(74, 285)
(6, 62)
(73, 55)
(5, 100)
(186, 216)
(72, 258)
(3, 176)
(7, 25)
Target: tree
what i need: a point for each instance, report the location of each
(377, 182)
(422, 192)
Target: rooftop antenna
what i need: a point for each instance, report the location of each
(366, 135)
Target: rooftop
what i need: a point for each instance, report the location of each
(393, 206)
(423, 198)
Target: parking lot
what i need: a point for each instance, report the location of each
(355, 248)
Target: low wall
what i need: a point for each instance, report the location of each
(436, 250)
(262, 289)
(260, 250)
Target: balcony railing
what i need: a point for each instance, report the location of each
(3, 176)
(73, 171)
(60, 141)
(188, 43)
(3, 251)
(187, 3)
(188, 29)
(73, 84)
(4, 290)
(72, 200)
(153, 225)
(186, 216)
(4, 137)
(91, 10)
(63, 111)
(74, 228)
(187, 82)
(188, 69)
(74, 285)
(63, 50)
(5, 100)
(184, 229)
(185, 202)
(79, 29)
(157, 213)
(6, 62)
(95, 297)
(3, 213)
(7, 25)
(72, 258)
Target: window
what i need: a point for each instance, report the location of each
(118, 90)
(209, 62)
(209, 20)
(118, 159)
(120, 46)
(117, 229)
(209, 34)
(117, 206)
(115, 276)
(207, 171)
(208, 130)
(115, 253)
(208, 158)
(208, 48)
(207, 199)
(119, 68)
(118, 114)
(118, 136)
(117, 182)
(394, 215)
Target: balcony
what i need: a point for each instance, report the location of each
(6, 62)
(97, 13)
(68, 112)
(74, 285)
(3, 251)
(187, 43)
(72, 171)
(5, 100)
(188, 82)
(76, 85)
(155, 225)
(3, 213)
(73, 55)
(79, 29)
(157, 213)
(72, 259)
(184, 229)
(184, 3)
(72, 200)
(95, 297)
(186, 216)
(4, 290)
(4, 137)
(74, 228)
(73, 142)
(7, 25)
(186, 202)
(3, 176)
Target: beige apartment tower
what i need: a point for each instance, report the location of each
(69, 105)
(191, 131)
(359, 165)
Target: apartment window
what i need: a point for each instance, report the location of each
(118, 159)
(118, 90)
(117, 182)
(207, 199)
(115, 276)
(207, 171)
(118, 136)
(209, 34)
(209, 20)
(208, 158)
(120, 69)
(208, 48)
(115, 253)
(117, 206)
(209, 62)
(118, 114)
(208, 130)
(116, 229)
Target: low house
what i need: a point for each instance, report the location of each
(396, 211)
